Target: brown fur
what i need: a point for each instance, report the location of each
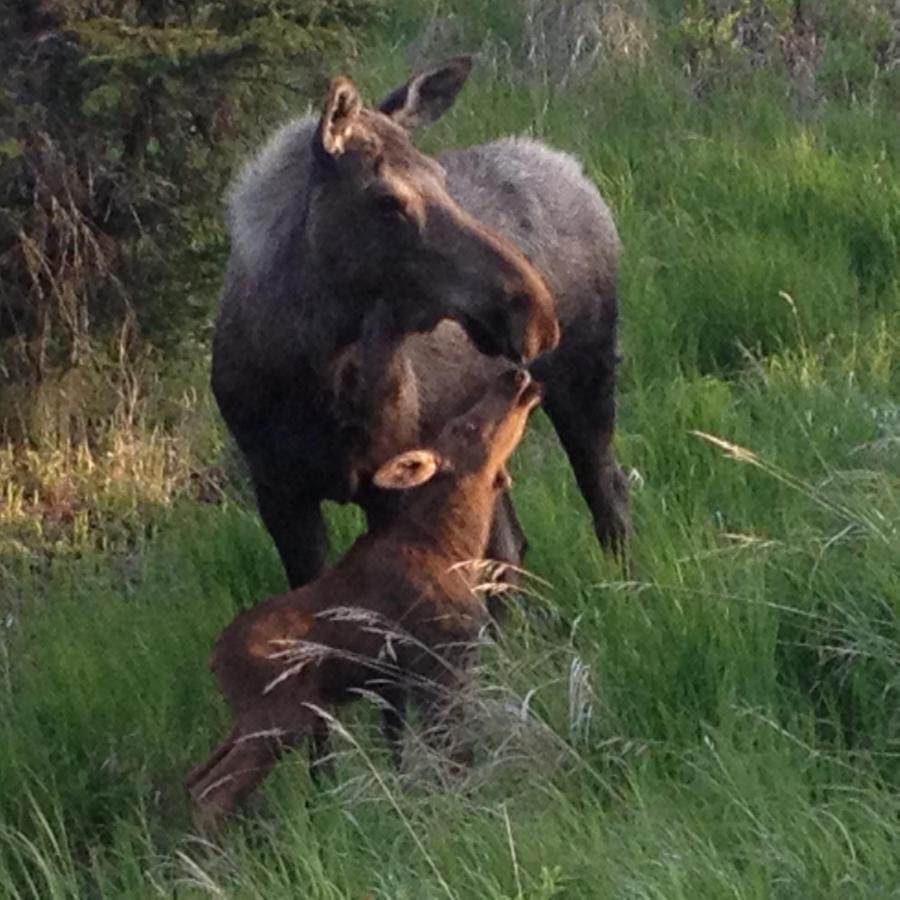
(396, 616)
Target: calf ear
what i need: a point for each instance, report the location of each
(342, 108)
(407, 470)
(428, 95)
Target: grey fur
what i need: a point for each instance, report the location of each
(266, 201)
(541, 199)
(535, 195)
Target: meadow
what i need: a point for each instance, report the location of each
(722, 722)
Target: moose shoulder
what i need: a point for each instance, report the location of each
(340, 212)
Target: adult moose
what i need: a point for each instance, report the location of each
(341, 212)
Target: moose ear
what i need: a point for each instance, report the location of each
(342, 108)
(428, 95)
(407, 470)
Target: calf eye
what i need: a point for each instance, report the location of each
(466, 429)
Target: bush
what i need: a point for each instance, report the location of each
(118, 120)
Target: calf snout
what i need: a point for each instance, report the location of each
(522, 386)
(520, 378)
(514, 379)
(511, 383)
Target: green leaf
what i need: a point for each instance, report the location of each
(102, 100)
(11, 148)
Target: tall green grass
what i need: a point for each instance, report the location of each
(723, 723)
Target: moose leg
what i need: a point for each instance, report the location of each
(321, 756)
(601, 482)
(507, 544)
(298, 529)
(581, 403)
(393, 722)
(199, 772)
(443, 718)
(236, 767)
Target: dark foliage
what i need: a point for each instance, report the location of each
(117, 123)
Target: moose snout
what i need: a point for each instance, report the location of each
(534, 327)
(540, 367)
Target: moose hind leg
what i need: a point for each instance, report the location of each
(233, 772)
(200, 771)
(298, 529)
(581, 403)
(242, 762)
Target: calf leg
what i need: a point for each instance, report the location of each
(235, 768)
(393, 722)
(199, 772)
(243, 760)
(443, 719)
(321, 755)
(298, 529)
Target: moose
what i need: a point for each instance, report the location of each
(499, 251)
(398, 616)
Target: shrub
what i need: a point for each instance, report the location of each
(118, 119)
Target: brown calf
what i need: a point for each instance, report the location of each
(396, 616)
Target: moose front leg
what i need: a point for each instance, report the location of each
(507, 544)
(298, 529)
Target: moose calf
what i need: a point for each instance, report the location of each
(397, 616)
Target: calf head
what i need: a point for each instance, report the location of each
(472, 451)
(381, 223)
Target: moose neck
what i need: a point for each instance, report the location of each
(332, 314)
(319, 310)
(453, 515)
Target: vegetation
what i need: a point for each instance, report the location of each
(119, 124)
(726, 722)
